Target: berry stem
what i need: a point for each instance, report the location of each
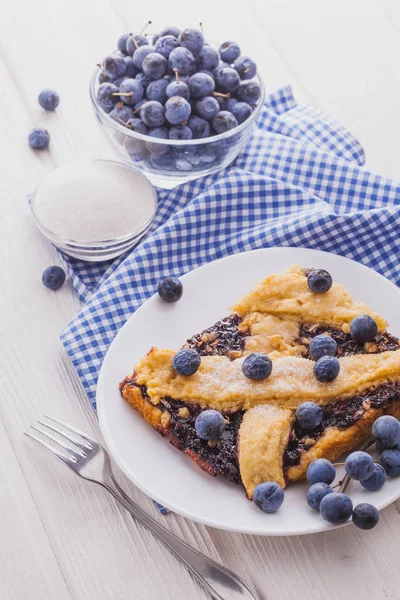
(124, 123)
(222, 95)
(133, 40)
(201, 27)
(137, 110)
(247, 69)
(145, 27)
(346, 478)
(176, 74)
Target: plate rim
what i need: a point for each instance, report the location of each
(320, 526)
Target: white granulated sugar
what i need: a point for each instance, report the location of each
(94, 201)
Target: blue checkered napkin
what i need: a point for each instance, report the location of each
(299, 183)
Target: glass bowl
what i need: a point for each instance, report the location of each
(168, 163)
(107, 249)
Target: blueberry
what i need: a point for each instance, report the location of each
(139, 105)
(319, 281)
(309, 416)
(315, 494)
(170, 30)
(178, 88)
(152, 113)
(165, 44)
(183, 61)
(134, 87)
(159, 132)
(180, 132)
(156, 90)
(376, 480)
(121, 113)
(229, 52)
(390, 461)
(53, 277)
(137, 125)
(121, 44)
(186, 362)
(207, 108)
(208, 58)
(257, 366)
(131, 69)
(135, 41)
(114, 66)
(248, 91)
(386, 431)
(336, 508)
(326, 369)
(322, 345)
(210, 425)
(240, 110)
(200, 127)
(268, 496)
(227, 79)
(359, 465)
(246, 67)
(224, 121)
(192, 39)
(39, 138)
(379, 447)
(107, 96)
(49, 99)
(140, 54)
(201, 84)
(170, 289)
(321, 470)
(363, 329)
(177, 110)
(365, 516)
(155, 65)
(143, 79)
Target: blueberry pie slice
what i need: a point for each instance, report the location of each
(262, 439)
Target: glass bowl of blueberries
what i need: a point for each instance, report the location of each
(175, 105)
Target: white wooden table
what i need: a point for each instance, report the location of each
(61, 538)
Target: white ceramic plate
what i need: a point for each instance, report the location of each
(165, 473)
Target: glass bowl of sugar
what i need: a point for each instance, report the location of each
(94, 210)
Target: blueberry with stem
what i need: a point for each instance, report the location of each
(131, 91)
(245, 67)
(200, 85)
(182, 60)
(107, 96)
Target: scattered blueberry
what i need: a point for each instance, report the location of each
(192, 39)
(321, 470)
(155, 65)
(245, 67)
(156, 90)
(134, 41)
(268, 496)
(177, 110)
(140, 54)
(326, 369)
(153, 113)
(316, 492)
(257, 366)
(207, 108)
(180, 132)
(376, 480)
(363, 329)
(309, 416)
(53, 278)
(201, 84)
(210, 425)
(390, 461)
(386, 431)
(183, 61)
(319, 281)
(170, 289)
(165, 44)
(229, 52)
(208, 58)
(200, 127)
(49, 99)
(359, 465)
(322, 345)
(227, 79)
(336, 508)
(186, 362)
(365, 516)
(39, 138)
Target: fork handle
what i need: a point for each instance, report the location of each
(220, 582)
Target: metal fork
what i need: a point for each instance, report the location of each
(88, 459)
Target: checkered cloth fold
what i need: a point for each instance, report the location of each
(299, 183)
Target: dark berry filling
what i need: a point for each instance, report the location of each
(341, 414)
(223, 338)
(346, 345)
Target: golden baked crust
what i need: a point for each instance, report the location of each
(263, 438)
(220, 383)
(287, 295)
